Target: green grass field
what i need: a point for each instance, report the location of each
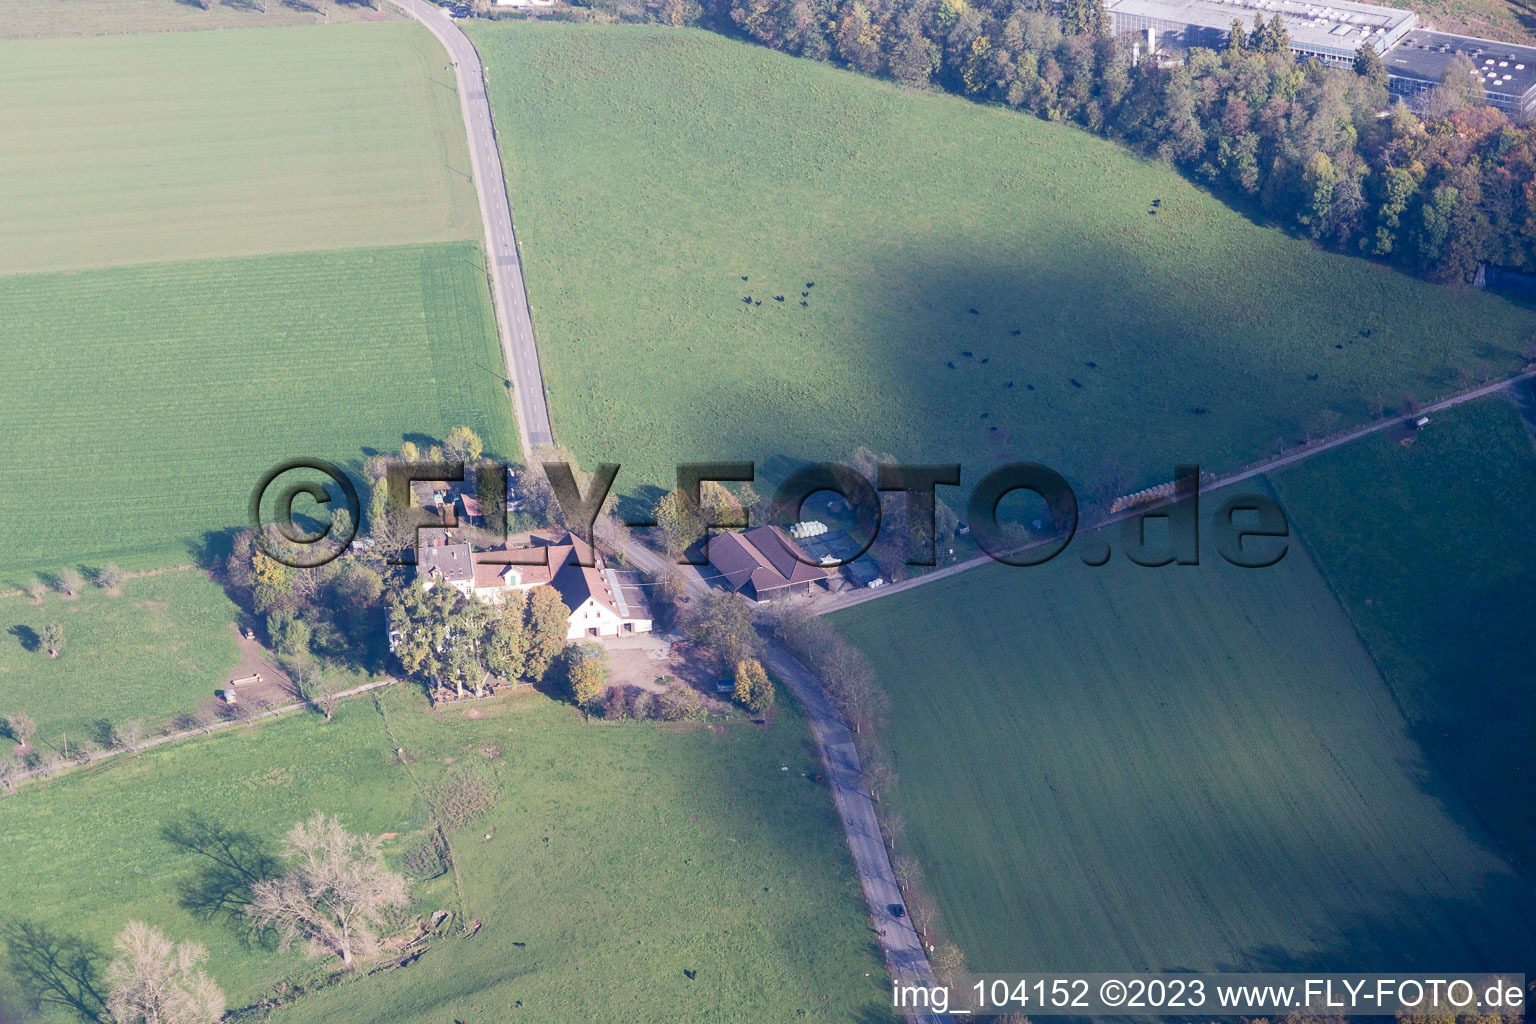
(620, 856)
(137, 148)
(144, 403)
(155, 651)
(1187, 768)
(30, 19)
(687, 161)
(1431, 550)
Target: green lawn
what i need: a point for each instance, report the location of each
(1187, 768)
(25, 19)
(137, 148)
(619, 857)
(156, 651)
(651, 169)
(144, 403)
(1431, 549)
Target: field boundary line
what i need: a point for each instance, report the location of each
(187, 734)
(852, 598)
(503, 260)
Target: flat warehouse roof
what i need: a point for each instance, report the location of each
(1501, 67)
(1336, 24)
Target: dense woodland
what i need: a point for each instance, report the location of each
(1436, 189)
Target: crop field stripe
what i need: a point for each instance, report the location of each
(1429, 547)
(142, 148)
(1181, 768)
(145, 402)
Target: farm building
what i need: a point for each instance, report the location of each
(603, 601)
(761, 563)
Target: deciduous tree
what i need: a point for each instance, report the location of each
(52, 639)
(335, 894)
(71, 582)
(753, 689)
(21, 728)
(548, 622)
(721, 621)
(462, 445)
(587, 673)
(110, 578)
(156, 981)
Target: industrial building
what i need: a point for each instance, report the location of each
(1506, 71)
(1333, 31)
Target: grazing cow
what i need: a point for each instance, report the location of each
(950, 365)
(966, 354)
(1092, 366)
(1030, 386)
(743, 277)
(1008, 385)
(974, 311)
(778, 298)
(1075, 383)
(804, 303)
(984, 362)
(1015, 332)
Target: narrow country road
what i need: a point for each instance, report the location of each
(503, 261)
(904, 954)
(1517, 387)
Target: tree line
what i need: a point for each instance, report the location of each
(1435, 189)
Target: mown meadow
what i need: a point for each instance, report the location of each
(1191, 768)
(618, 858)
(137, 425)
(157, 649)
(958, 283)
(1431, 549)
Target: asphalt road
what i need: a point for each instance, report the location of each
(504, 263)
(904, 954)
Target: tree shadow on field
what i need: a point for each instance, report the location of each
(234, 862)
(54, 967)
(27, 637)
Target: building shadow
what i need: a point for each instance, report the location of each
(56, 968)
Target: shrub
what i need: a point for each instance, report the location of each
(678, 704)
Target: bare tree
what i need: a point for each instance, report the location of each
(21, 728)
(36, 591)
(335, 893)
(128, 735)
(71, 582)
(10, 768)
(879, 777)
(110, 578)
(156, 981)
